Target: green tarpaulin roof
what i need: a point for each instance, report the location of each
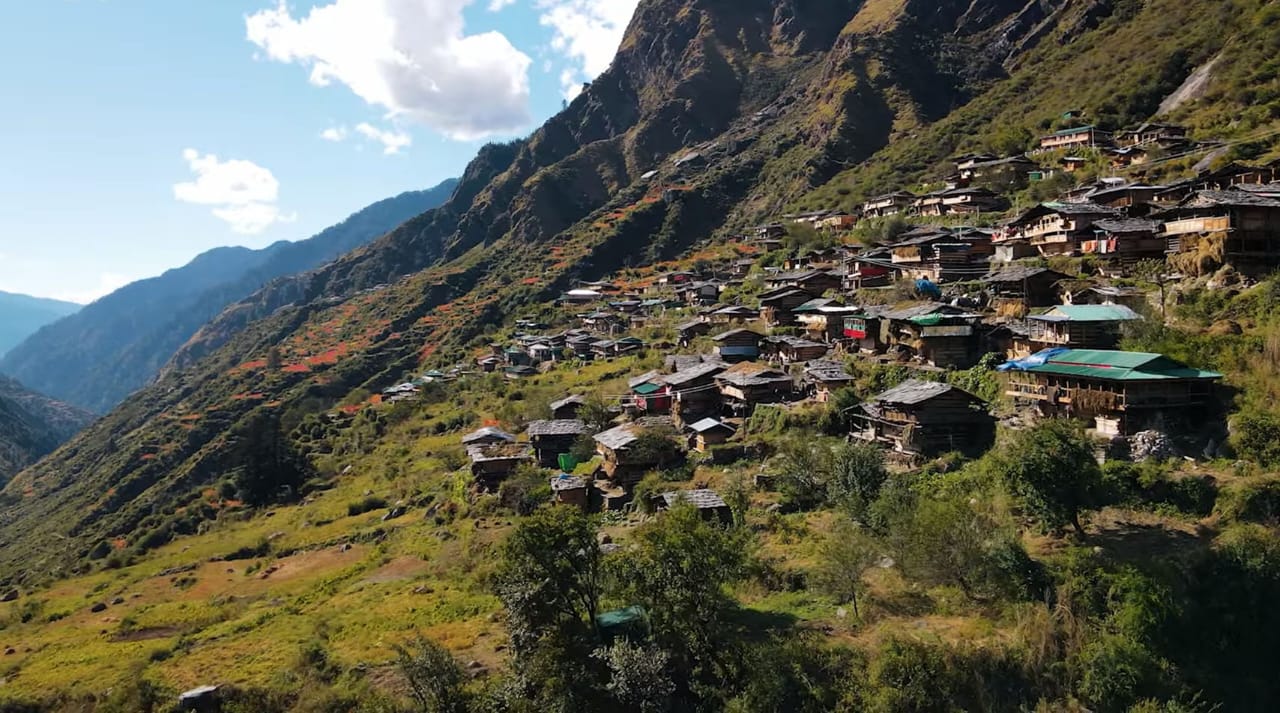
(620, 617)
(646, 389)
(1119, 366)
(1090, 313)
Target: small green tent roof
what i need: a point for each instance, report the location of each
(647, 388)
(620, 617)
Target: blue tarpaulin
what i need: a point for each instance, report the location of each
(1031, 362)
(926, 288)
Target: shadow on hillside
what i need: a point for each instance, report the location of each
(1145, 544)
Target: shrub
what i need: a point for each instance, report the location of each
(368, 504)
(525, 491)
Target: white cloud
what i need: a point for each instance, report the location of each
(588, 32)
(242, 193)
(410, 57)
(108, 282)
(392, 141)
(500, 5)
(334, 133)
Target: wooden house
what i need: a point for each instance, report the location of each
(813, 281)
(567, 407)
(1056, 228)
(694, 393)
(823, 319)
(776, 306)
(1008, 171)
(1075, 138)
(1124, 241)
(889, 204)
(1075, 327)
(792, 350)
(746, 385)
(624, 462)
(552, 438)
(1231, 227)
(869, 268)
(862, 332)
(738, 345)
(924, 419)
(710, 432)
(571, 490)
(1153, 134)
(1015, 289)
(708, 503)
(936, 334)
(837, 222)
(1234, 176)
(734, 314)
(690, 331)
(942, 255)
(1122, 392)
(821, 379)
(493, 463)
(1133, 198)
(515, 373)
(742, 267)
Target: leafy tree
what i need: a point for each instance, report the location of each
(1256, 436)
(266, 465)
(837, 419)
(678, 570)
(549, 580)
(639, 678)
(804, 468)
(527, 489)
(595, 412)
(656, 447)
(848, 552)
(1155, 272)
(858, 473)
(737, 495)
(434, 677)
(948, 542)
(1052, 468)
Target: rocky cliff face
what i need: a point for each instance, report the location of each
(732, 108)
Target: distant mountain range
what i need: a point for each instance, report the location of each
(21, 316)
(32, 426)
(102, 353)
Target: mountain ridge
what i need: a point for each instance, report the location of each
(116, 345)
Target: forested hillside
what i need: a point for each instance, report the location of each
(99, 356)
(343, 492)
(32, 426)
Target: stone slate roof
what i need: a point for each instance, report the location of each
(568, 401)
(618, 437)
(913, 391)
(701, 499)
(486, 433)
(557, 427)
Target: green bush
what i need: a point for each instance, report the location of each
(368, 504)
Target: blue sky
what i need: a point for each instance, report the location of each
(139, 133)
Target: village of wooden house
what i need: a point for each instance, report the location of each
(792, 312)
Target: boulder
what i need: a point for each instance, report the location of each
(10, 595)
(1152, 445)
(99, 607)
